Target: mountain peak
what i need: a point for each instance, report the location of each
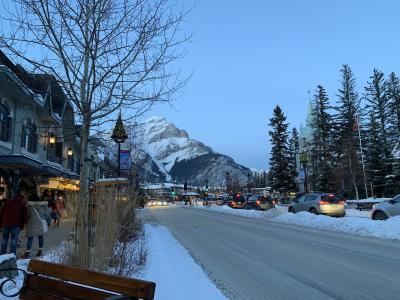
(176, 156)
(155, 119)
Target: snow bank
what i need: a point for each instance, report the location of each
(351, 212)
(370, 199)
(258, 214)
(389, 229)
(355, 222)
(173, 269)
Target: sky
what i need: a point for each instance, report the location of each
(249, 56)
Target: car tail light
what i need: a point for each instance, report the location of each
(324, 202)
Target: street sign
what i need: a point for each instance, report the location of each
(303, 157)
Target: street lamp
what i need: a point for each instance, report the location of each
(248, 182)
(304, 160)
(70, 152)
(119, 136)
(227, 182)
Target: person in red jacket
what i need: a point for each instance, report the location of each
(13, 219)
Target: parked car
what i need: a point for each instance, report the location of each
(238, 201)
(209, 200)
(259, 202)
(228, 200)
(219, 201)
(387, 209)
(319, 203)
(156, 202)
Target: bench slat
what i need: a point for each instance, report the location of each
(130, 287)
(33, 295)
(63, 290)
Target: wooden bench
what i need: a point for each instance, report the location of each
(46, 280)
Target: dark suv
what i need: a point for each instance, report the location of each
(259, 202)
(238, 201)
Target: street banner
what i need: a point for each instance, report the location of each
(302, 175)
(125, 159)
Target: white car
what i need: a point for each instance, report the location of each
(386, 209)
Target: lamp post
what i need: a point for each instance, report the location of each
(227, 182)
(119, 136)
(304, 160)
(248, 182)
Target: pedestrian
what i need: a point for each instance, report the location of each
(59, 208)
(3, 199)
(47, 197)
(36, 225)
(13, 219)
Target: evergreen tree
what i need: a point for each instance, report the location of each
(293, 151)
(393, 94)
(378, 107)
(321, 147)
(345, 144)
(374, 156)
(278, 175)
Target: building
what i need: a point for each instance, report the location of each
(38, 145)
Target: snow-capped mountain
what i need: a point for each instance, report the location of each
(168, 153)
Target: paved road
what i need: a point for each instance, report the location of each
(256, 259)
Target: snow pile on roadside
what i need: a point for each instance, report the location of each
(176, 274)
(389, 229)
(351, 212)
(370, 199)
(355, 222)
(258, 214)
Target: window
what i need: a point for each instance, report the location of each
(71, 162)
(5, 123)
(311, 198)
(300, 199)
(29, 136)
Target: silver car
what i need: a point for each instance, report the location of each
(319, 204)
(387, 209)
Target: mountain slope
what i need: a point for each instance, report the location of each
(178, 157)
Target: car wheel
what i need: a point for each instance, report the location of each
(314, 211)
(291, 210)
(379, 215)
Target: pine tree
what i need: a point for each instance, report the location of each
(278, 175)
(293, 151)
(393, 94)
(321, 147)
(345, 143)
(378, 107)
(374, 156)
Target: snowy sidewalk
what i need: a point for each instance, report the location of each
(173, 269)
(52, 239)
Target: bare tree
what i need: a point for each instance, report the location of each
(106, 54)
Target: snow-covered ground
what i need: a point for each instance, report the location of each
(173, 269)
(355, 222)
(176, 274)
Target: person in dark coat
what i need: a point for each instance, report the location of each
(13, 218)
